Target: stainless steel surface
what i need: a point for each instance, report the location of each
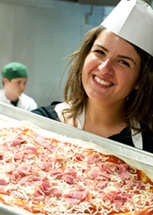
(60, 128)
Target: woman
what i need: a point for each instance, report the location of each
(109, 90)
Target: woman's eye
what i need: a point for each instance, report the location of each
(125, 63)
(99, 52)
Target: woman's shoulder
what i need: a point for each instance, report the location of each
(147, 137)
(48, 110)
(142, 140)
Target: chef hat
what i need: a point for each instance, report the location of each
(133, 21)
(14, 70)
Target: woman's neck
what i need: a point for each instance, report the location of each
(104, 120)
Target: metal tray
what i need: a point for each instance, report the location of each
(12, 113)
(69, 131)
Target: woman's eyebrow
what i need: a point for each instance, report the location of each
(102, 47)
(127, 58)
(121, 56)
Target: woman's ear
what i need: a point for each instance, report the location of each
(136, 87)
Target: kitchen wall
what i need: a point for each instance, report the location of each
(39, 34)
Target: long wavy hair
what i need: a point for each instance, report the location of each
(139, 107)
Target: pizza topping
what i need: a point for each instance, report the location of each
(17, 141)
(50, 176)
(3, 182)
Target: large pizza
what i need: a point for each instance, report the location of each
(45, 173)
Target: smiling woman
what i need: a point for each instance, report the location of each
(111, 63)
(109, 77)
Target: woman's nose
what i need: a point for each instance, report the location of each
(106, 66)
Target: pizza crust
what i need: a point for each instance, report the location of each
(11, 210)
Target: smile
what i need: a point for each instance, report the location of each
(102, 82)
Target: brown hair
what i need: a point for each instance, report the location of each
(140, 101)
(139, 107)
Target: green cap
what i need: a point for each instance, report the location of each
(14, 70)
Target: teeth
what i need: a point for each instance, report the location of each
(102, 82)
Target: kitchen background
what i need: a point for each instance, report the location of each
(40, 34)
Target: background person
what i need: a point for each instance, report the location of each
(14, 81)
(109, 88)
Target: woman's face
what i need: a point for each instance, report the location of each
(111, 69)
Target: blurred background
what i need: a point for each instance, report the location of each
(41, 33)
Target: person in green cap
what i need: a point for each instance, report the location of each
(14, 81)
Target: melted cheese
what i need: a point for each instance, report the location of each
(21, 185)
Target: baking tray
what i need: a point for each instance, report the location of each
(69, 131)
(15, 114)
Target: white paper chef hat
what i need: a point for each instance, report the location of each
(133, 21)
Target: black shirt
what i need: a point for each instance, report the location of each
(123, 137)
(14, 102)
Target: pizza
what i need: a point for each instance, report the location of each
(45, 173)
